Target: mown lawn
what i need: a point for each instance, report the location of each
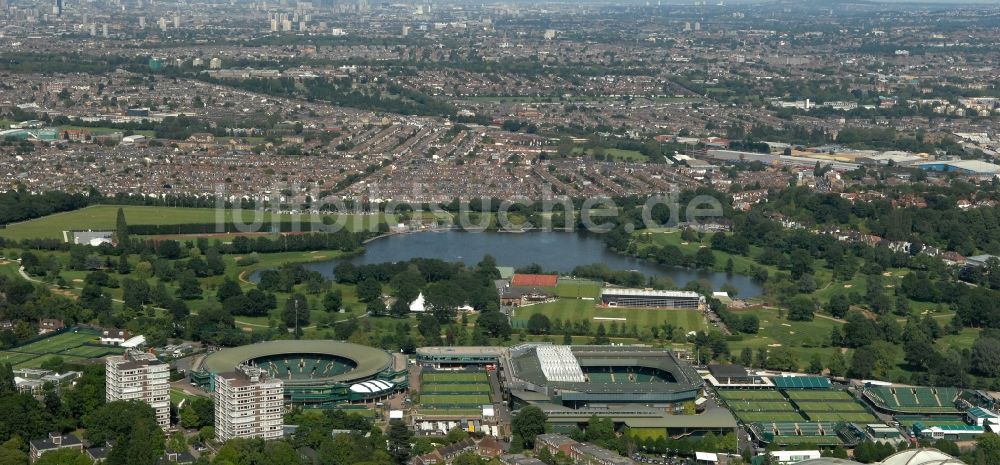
(612, 154)
(103, 217)
(578, 289)
(577, 309)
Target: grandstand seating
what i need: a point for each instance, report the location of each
(810, 429)
(786, 429)
(926, 397)
(947, 396)
(923, 399)
(906, 398)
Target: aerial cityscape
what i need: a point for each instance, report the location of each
(447, 232)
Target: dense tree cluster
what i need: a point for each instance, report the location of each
(62, 411)
(445, 286)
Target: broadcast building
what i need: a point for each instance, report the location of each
(649, 298)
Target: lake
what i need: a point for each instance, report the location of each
(554, 251)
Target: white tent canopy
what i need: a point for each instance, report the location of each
(418, 304)
(134, 342)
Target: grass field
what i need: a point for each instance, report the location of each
(751, 417)
(16, 358)
(823, 406)
(177, 395)
(851, 417)
(59, 343)
(432, 400)
(612, 154)
(39, 361)
(576, 309)
(92, 351)
(428, 378)
(455, 388)
(759, 406)
(577, 289)
(103, 217)
(69, 346)
(805, 337)
(750, 395)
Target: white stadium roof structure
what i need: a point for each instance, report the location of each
(371, 387)
(559, 364)
(922, 456)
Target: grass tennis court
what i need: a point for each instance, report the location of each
(459, 377)
(37, 362)
(453, 391)
(829, 396)
(430, 400)
(455, 388)
(760, 406)
(852, 417)
(831, 407)
(16, 358)
(59, 342)
(71, 346)
(578, 309)
(750, 395)
(87, 351)
(752, 417)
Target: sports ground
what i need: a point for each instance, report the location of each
(453, 393)
(75, 345)
(796, 406)
(103, 217)
(579, 309)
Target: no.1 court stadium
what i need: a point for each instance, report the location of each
(315, 373)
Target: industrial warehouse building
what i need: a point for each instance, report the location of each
(648, 298)
(972, 168)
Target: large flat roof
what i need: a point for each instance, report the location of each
(526, 367)
(649, 293)
(369, 361)
(462, 350)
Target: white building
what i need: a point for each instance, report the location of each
(140, 376)
(786, 457)
(248, 405)
(114, 337)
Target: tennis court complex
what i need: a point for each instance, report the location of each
(453, 393)
(795, 405)
(75, 345)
